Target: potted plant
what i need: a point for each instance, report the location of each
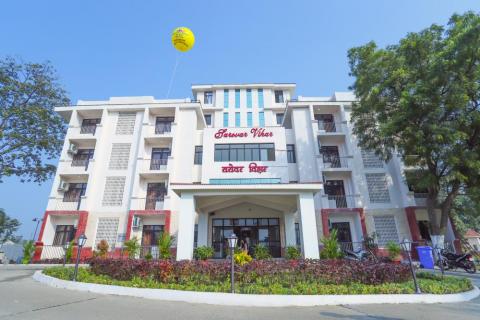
(394, 252)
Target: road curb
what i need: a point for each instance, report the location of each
(255, 300)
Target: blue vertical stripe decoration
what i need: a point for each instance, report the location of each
(249, 98)
(225, 119)
(260, 98)
(237, 98)
(261, 119)
(237, 119)
(249, 120)
(225, 98)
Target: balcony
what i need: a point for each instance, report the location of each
(327, 127)
(420, 199)
(336, 163)
(159, 132)
(66, 203)
(155, 167)
(88, 129)
(340, 201)
(154, 203)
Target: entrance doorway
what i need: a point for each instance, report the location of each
(253, 231)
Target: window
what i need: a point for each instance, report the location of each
(249, 98)
(297, 234)
(225, 119)
(125, 123)
(159, 158)
(261, 119)
(107, 229)
(163, 124)
(245, 152)
(156, 193)
(249, 120)
(237, 98)
(63, 234)
(291, 153)
(386, 229)
(208, 119)
(279, 118)
(278, 96)
(331, 157)
(225, 98)
(371, 160)
(82, 157)
(75, 191)
(198, 155)
(237, 119)
(119, 156)
(377, 187)
(113, 193)
(260, 98)
(89, 126)
(151, 234)
(208, 97)
(325, 122)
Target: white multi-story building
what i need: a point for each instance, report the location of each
(247, 159)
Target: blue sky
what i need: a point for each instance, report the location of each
(122, 48)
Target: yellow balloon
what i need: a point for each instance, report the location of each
(183, 39)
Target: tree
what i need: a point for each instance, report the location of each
(466, 214)
(420, 99)
(31, 133)
(8, 227)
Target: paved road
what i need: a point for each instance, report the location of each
(23, 298)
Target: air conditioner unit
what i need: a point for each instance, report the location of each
(62, 186)
(72, 149)
(137, 222)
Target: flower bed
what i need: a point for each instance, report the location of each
(262, 277)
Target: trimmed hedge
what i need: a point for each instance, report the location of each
(335, 271)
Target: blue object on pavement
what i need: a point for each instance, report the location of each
(426, 257)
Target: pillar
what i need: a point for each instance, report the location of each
(186, 227)
(308, 225)
(290, 237)
(202, 239)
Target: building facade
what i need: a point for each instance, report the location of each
(247, 159)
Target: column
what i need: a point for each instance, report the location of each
(186, 227)
(290, 238)
(202, 239)
(308, 225)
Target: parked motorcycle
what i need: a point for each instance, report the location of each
(452, 261)
(359, 255)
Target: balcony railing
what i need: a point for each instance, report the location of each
(88, 129)
(162, 128)
(154, 203)
(158, 164)
(341, 201)
(81, 163)
(336, 162)
(420, 199)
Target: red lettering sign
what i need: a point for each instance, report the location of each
(255, 132)
(252, 167)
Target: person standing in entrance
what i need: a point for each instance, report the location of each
(244, 246)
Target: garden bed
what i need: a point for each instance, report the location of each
(296, 277)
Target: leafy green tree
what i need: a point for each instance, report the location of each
(420, 99)
(28, 250)
(31, 133)
(8, 227)
(466, 214)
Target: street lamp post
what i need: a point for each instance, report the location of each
(37, 220)
(232, 243)
(407, 247)
(80, 243)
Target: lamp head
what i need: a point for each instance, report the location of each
(81, 240)
(232, 241)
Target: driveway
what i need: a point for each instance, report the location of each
(23, 298)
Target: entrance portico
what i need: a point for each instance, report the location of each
(261, 214)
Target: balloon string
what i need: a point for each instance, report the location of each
(173, 75)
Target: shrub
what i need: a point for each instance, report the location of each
(102, 248)
(261, 252)
(28, 249)
(331, 250)
(164, 244)
(292, 253)
(148, 256)
(393, 250)
(203, 253)
(69, 251)
(242, 258)
(132, 247)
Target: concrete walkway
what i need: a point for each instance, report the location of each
(23, 298)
